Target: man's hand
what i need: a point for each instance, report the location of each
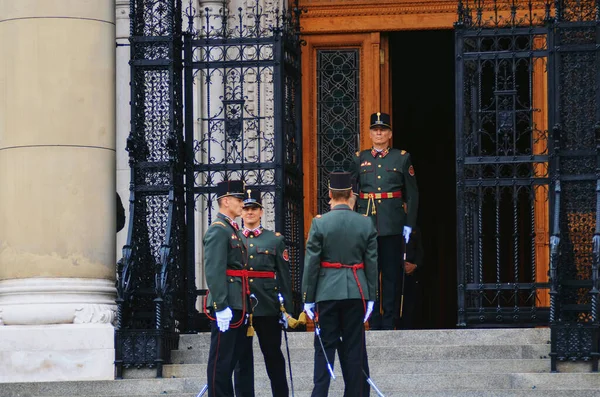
(409, 268)
(223, 319)
(406, 233)
(308, 308)
(369, 310)
(283, 320)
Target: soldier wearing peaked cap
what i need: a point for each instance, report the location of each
(269, 275)
(387, 181)
(339, 286)
(224, 260)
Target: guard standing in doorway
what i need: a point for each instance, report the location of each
(387, 181)
(224, 262)
(269, 276)
(340, 277)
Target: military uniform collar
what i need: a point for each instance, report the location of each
(341, 207)
(383, 153)
(255, 232)
(228, 219)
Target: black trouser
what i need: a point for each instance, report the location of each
(341, 319)
(390, 263)
(366, 386)
(268, 331)
(225, 349)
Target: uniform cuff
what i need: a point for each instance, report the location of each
(218, 306)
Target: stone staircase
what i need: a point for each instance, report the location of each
(419, 363)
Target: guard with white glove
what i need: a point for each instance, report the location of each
(389, 196)
(270, 286)
(340, 274)
(223, 319)
(225, 253)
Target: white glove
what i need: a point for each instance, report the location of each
(223, 319)
(308, 308)
(406, 233)
(369, 310)
(283, 320)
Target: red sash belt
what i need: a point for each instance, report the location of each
(355, 267)
(246, 274)
(379, 196)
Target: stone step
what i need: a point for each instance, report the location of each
(400, 385)
(443, 393)
(457, 337)
(380, 369)
(413, 352)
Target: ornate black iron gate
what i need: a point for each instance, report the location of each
(574, 72)
(247, 65)
(246, 68)
(528, 89)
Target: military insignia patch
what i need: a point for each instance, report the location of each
(233, 236)
(286, 255)
(411, 171)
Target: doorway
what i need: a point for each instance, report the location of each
(423, 114)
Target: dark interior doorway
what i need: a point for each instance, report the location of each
(423, 100)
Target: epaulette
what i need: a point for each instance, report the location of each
(357, 154)
(318, 216)
(403, 152)
(277, 234)
(219, 223)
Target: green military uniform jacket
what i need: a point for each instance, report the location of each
(223, 249)
(386, 172)
(340, 236)
(267, 252)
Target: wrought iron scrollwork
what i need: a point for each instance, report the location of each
(248, 65)
(242, 75)
(499, 44)
(150, 274)
(502, 163)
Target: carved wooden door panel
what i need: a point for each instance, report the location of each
(341, 87)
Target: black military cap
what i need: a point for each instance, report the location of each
(381, 120)
(252, 198)
(230, 188)
(340, 181)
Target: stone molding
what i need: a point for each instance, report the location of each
(94, 314)
(317, 9)
(39, 301)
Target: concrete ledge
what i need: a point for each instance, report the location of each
(48, 353)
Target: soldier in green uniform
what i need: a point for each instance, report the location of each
(340, 277)
(386, 180)
(267, 257)
(224, 262)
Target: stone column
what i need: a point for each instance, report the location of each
(123, 115)
(57, 202)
